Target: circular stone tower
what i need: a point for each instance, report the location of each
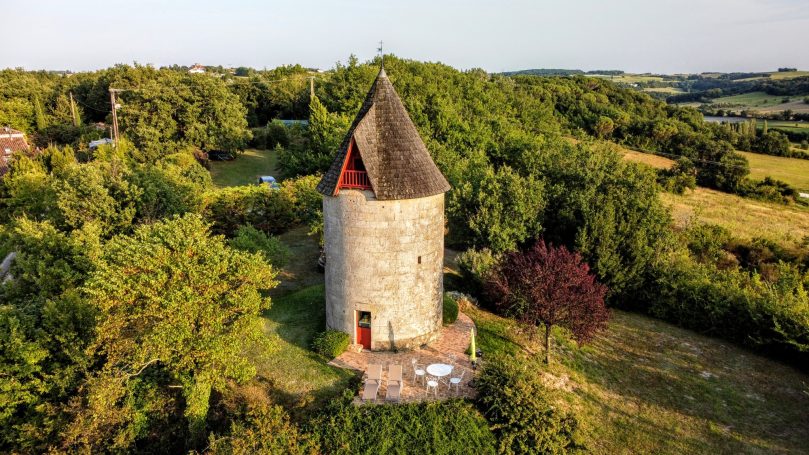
(383, 211)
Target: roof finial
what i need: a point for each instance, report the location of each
(381, 57)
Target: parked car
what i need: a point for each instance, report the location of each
(269, 180)
(220, 155)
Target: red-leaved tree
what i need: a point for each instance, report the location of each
(548, 286)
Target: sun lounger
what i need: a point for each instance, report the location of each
(394, 391)
(372, 382)
(370, 390)
(394, 383)
(374, 373)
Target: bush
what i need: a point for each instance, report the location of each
(250, 239)
(438, 427)
(769, 189)
(266, 429)
(450, 310)
(520, 411)
(331, 343)
(302, 192)
(264, 208)
(707, 242)
(734, 304)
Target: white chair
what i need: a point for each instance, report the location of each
(418, 371)
(432, 383)
(457, 382)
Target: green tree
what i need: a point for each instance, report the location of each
(172, 296)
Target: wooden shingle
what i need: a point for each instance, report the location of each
(396, 159)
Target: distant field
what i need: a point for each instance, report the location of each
(762, 102)
(753, 99)
(655, 161)
(785, 125)
(746, 218)
(671, 90)
(245, 169)
(791, 170)
(788, 74)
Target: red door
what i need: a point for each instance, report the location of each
(364, 329)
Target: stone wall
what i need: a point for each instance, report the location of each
(385, 257)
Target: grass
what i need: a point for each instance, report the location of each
(293, 375)
(752, 99)
(784, 125)
(762, 102)
(298, 378)
(245, 169)
(645, 386)
(746, 218)
(302, 271)
(793, 171)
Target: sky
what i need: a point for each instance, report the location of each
(660, 36)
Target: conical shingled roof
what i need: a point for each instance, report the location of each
(397, 161)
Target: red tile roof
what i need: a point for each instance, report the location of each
(11, 141)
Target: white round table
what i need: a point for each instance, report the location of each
(439, 370)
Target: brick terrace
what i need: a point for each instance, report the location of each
(454, 339)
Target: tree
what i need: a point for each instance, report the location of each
(548, 286)
(174, 297)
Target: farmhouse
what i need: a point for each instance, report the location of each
(197, 69)
(11, 141)
(383, 209)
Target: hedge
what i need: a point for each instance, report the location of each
(436, 427)
(517, 405)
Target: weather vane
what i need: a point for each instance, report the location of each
(381, 55)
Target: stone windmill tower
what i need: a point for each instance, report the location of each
(383, 210)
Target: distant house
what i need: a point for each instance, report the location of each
(11, 141)
(197, 69)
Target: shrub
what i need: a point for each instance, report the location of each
(438, 427)
(520, 411)
(733, 304)
(266, 429)
(307, 203)
(250, 239)
(331, 343)
(707, 241)
(264, 208)
(450, 310)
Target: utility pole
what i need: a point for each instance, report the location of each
(114, 106)
(73, 110)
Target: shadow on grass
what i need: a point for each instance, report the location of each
(296, 377)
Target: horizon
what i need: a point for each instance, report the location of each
(689, 36)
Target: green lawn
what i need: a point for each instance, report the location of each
(793, 171)
(648, 387)
(245, 169)
(297, 377)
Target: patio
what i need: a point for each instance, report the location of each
(453, 340)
